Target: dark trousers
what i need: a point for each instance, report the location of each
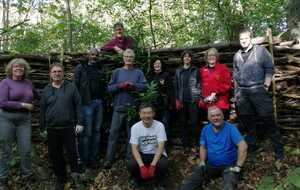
(254, 105)
(119, 122)
(58, 139)
(189, 123)
(203, 174)
(161, 167)
(164, 117)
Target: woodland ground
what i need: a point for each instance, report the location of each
(258, 166)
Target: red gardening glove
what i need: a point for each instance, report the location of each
(144, 172)
(122, 85)
(129, 85)
(178, 104)
(151, 171)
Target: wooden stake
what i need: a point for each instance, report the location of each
(269, 34)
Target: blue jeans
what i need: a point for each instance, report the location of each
(15, 125)
(90, 139)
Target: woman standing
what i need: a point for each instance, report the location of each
(16, 97)
(187, 94)
(164, 86)
(216, 83)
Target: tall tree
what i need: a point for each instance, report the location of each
(293, 18)
(69, 25)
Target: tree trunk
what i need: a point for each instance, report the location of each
(5, 24)
(69, 24)
(293, 18)
(151, 24)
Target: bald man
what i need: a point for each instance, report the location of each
(223, 152)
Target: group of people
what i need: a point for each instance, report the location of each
(72, 114)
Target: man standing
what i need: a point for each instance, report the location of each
(124, 82)
(60, 109)
(252, 73)
(147, 141)
(223, 152)
(90, 82)
(120, 42)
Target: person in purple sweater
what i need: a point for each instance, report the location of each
(16, 97)
(120, 42)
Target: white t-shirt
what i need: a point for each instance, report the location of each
(148, 138)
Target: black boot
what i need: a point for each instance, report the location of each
(273, 132)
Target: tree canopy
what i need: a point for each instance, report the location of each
(48, 25)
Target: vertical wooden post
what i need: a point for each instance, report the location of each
(270, 40)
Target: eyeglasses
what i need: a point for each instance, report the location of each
(128, 56)
(56, 71)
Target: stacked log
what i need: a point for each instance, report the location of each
(286, 59)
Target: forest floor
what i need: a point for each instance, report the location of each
(259, 172)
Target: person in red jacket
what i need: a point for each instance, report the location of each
(216, 83)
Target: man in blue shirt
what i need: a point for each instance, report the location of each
(223, 152)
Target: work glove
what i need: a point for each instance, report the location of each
(201, 168)
(151, 171)
(177, 104)
(78, 129)
(210, 99)
(144, 172)
(235, 169)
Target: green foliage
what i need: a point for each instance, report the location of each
(148, 96)
(291, 182)
(175, 23)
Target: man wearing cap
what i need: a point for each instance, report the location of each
(223, 152)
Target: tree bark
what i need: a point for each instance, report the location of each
(69, 24)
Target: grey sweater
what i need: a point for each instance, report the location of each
(253, 71)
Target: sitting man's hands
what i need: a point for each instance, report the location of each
(144, 172)
(151, 171)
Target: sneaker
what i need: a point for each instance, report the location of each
(107, 164)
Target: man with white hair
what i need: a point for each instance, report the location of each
(223, 152)
(124, 82)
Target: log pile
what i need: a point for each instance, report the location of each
(286, 58)
(287, 73)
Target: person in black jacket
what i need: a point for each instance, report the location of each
(163, 102)
(188, 94)
(60, 113)
(90, 82)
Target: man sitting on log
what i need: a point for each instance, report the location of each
(147, 141)
(252, 73)
(223, 152)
